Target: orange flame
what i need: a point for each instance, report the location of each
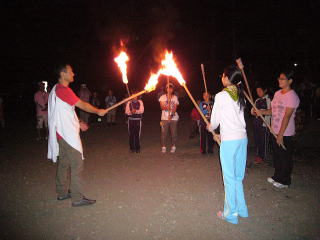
(169, 68)
(121, 61)
(152, 82)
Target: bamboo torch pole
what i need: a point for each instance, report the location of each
(215, 137)
(128, 91)
(241, 66)
(263, 119)
(204, 77)
(126, 100)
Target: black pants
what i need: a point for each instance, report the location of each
(194, 129)
(261, 138)
(282, 161)
(134, 128)
(206, 140)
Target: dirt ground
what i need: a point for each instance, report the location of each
(151, 195)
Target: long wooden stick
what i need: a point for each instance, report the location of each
(204, 77)
(240, 65)
(263, 119)
(169, 98)
(128, 91)
(201, 114)
(126, 100)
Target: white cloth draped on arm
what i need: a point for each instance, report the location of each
(63, 119)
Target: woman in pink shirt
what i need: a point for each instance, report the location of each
(283, 111)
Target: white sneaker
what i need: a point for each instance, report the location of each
(279, 185)
(173, 149)
(163, 149)
(270, 180)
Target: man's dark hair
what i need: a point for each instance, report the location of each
(61, 68)
(261, 85)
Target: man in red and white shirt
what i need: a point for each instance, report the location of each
(64, 139)
(41, 101)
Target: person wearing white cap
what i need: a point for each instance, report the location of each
(41, 101)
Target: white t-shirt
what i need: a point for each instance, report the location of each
(173, 102)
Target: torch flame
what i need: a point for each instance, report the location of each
(121, 61)
(169, 68)
(152, 82)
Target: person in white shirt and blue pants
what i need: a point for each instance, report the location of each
(228, 113)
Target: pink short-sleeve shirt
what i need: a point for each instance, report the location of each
(41, 100)
(279, 104)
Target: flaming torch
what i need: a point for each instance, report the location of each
(150, 86)
(169, 68)
(121, 61)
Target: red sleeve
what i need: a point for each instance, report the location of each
(66, 94)
(194, 114)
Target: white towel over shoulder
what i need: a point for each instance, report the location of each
(63, 119)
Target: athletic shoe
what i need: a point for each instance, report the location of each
(279, 185)
(83, 202)
(64, 197)
(173, 149)
(270, 180)
(163, 149)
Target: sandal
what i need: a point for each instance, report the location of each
(222, 217)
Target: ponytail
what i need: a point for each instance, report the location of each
(235, 77)
(241, 100)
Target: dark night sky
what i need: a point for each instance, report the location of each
(268, 35)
